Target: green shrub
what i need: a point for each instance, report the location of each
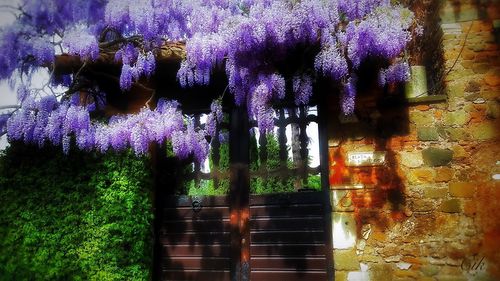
(82, 216)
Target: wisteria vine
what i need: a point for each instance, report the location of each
(246, 38)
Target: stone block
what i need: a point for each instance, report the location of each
(427, 134)
(456, 118)
(450, 278)
(411, 159)
(472, 97)
(492, 79)
(421, 175)
(430, 270)
(462, 189)
(481, 68)
(381, 272)
(435, 192)
(421, 118)
(484, 276)
(472, 86)
(340, 275)
(425, 278)
(444, 174)
(420, 205)
(456, 134)
(451, 206)
(346, 260)
(455, 90)
(459, 152)
(358, 276)
(437, 157)
(341, 201)
(410, 274)
(344, 230)
(484, 131)
(493, 110)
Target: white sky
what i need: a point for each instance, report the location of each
(7, 95)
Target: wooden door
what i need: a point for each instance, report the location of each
(243, 236)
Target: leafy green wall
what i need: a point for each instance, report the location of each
(81, 216)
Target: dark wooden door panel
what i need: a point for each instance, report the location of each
(305, 211)
(286, 239)
(214, 263)
(287, 263)
(198, 250)
(309, 223)
(287, 275)
(284, 250)
(196, 275)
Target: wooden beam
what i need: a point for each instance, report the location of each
(169, 53)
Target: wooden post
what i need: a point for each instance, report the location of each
(239, 194)
(325, 186)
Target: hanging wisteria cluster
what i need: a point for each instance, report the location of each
(247, 38)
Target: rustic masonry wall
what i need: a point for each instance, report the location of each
(433, 211)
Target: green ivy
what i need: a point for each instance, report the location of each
(81, 216)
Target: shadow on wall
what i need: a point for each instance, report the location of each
(380, 120)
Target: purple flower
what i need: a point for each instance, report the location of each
(126, 77)
(80, 41)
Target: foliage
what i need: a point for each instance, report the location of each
(213, 187)
(74, 217)
(255, 41)
(270, 184)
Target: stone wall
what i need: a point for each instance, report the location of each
(432, 211)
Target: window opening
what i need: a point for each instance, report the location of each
(212, 176)
(287, 159)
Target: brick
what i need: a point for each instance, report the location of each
(427, 134)
(462, 189)
(436, 156)
(346, 260)
(444, 174)
(422, 107)
(451, 206)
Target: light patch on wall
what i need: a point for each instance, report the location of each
(344, 231)
(358, 276)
